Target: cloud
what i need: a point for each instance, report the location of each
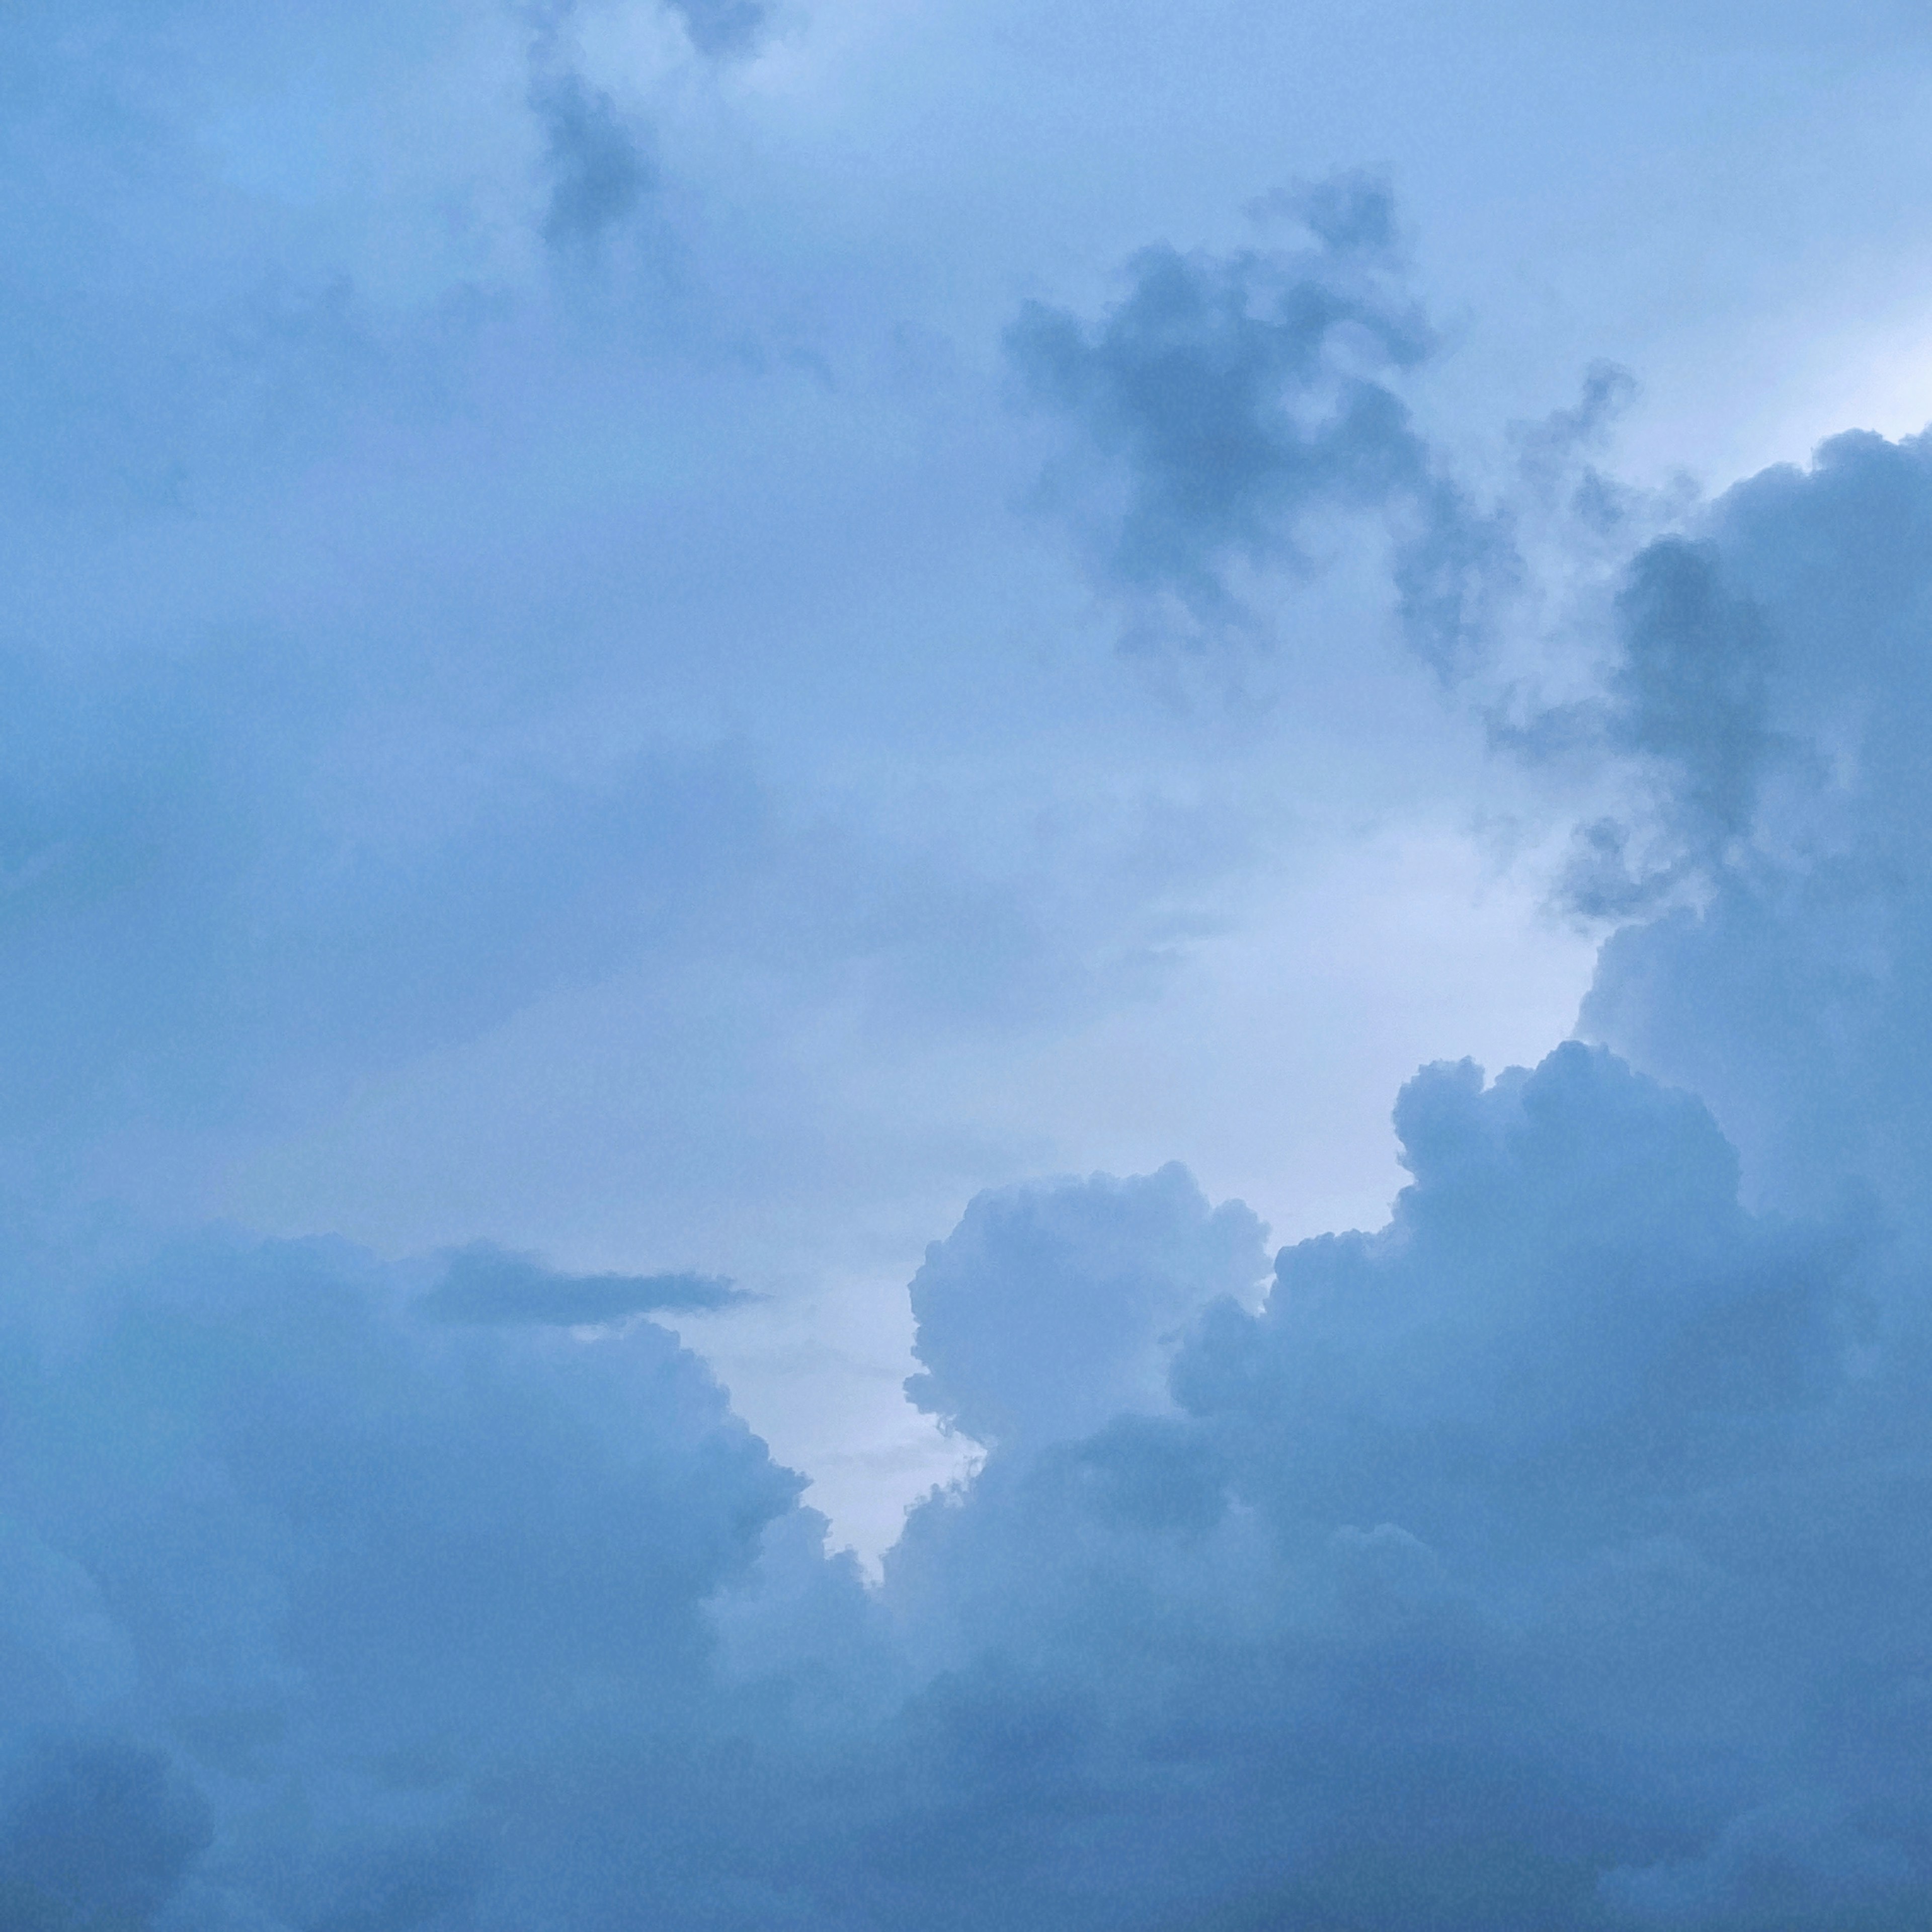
(373, 1583)
(199, 908)
(1227, 404)
(1551, 1556)
(94, 1834)
(1540, 1558)
(596, 166)
(1771, 675)
(1685, 703)
(1555, 1556)
(1048, 1308)
(1480, 1571)
(485, 1283)
(722, 29)
(598, 163)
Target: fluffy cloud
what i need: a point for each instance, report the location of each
(1550, 1555)
(1781, 692)
(1506, 1566)
(1045, 1311)
(310, 1601)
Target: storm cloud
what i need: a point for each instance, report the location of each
(1507, 1561)
(537, 726)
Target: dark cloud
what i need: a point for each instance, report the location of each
(484, 1283)
(1553, 1557)
(1685, 704)
(94, 1834)
(1504, 1569)
(1774, 677)
(595, 164)
(1691, 691)
(1226, 403)
(723, 28)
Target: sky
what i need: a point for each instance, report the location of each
(962, 966)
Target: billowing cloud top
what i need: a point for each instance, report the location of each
(1548, 1556)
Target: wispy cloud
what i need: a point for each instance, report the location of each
(1226, 405)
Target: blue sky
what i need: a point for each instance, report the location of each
(705, 704)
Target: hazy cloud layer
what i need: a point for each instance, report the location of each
(596, 167)
(721, 28)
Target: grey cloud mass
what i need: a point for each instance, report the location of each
(1779, 686)
(512, 748)
(1549, 1556)
(1042, 1313)
(1484, 1573)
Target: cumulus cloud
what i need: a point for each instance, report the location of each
(337, 1598)
(1479, 1580)
(1773, 674)
(1548, 1557)
(1046, 1311)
